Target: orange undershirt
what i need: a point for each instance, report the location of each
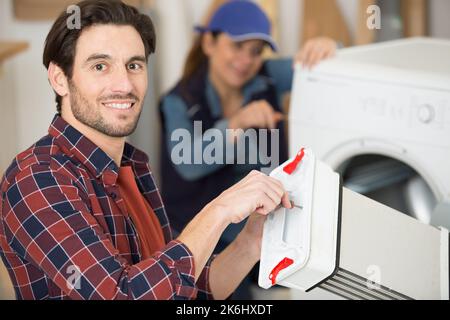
(144, 218)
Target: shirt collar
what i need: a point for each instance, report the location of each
(75, 144)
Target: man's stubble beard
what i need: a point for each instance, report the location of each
(90, 116)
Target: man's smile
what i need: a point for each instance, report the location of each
(119, 105)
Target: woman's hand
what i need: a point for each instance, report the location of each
(316, 50)
(257, 193)
(257, 114)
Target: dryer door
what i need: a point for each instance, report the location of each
(389, 174)
(391, 182)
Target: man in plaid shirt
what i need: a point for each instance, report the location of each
(66, 229)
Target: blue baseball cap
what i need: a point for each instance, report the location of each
(241, 20)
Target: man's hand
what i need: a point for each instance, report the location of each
(256, 195)
(257, 114)
(257, 192)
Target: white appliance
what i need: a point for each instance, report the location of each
(348, 244)
(380, 115)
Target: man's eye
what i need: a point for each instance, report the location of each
(100, 67)
(134, 66)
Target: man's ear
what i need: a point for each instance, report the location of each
(208, 42)
(58, 79)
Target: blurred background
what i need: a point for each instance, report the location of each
(27, 101)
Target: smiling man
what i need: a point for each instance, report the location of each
(81, 216)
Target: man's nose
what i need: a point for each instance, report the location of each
(121, 81)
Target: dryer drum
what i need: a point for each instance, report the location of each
(391, 182)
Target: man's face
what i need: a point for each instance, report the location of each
(109, 79)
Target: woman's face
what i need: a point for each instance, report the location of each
(233, 63)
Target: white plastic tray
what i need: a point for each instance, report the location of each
(282, 243)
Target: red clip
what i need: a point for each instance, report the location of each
(290, 167)
(283, 264)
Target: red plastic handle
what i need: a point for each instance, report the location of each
(283, 264)
(290, 167)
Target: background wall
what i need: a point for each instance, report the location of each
(440, 22)
(25, 92)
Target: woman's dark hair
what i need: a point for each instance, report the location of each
(195, 58)
(61, 41)
(196, 61)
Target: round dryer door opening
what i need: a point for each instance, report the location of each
(390, 182)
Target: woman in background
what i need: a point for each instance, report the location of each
(226, 84)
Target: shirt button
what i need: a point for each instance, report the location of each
(113, 195)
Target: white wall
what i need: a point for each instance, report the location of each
(8, 132)
(175, 20)
(25, 80)
(440, 22)
(290, 26)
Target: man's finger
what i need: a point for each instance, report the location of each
(266, 206)
(285, 202)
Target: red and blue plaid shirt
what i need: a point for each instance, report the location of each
(65, 233)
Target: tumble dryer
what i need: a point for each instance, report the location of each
(380, 115)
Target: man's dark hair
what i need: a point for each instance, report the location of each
(61, 41)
